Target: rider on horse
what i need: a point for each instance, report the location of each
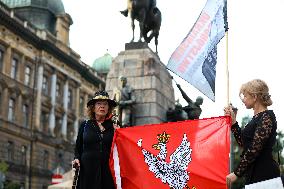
(129, 7)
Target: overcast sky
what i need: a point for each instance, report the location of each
(255, 41)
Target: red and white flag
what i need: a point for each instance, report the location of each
(191, 154)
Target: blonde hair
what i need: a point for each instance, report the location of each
(91, 114)
(259, 88)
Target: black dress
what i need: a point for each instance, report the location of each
(93, 151)
(257, 138)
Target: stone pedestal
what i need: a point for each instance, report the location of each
(150, 80)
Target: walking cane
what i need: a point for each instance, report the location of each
(76, 176)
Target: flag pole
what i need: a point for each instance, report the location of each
(227, 68)
(228, 98)
(231, 155)
(231, 165)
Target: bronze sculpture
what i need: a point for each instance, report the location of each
(193, 109)
(148, 16)
(125, 98)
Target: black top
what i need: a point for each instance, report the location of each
(257, 139)
(93, 151)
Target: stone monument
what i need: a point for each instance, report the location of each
(149, 79)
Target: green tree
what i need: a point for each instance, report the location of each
(7, 185)
(12, 185)
(278, 149)
(3, 167)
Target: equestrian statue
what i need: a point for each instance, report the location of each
(148, 16)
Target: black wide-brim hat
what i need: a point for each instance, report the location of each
(101, 95)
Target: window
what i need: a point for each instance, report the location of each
(27, 75)
(24, 155)
(45, 85)
(57, 129)
(57, 90)
(26, 115)
(11, 110)
(45, 159)
(69, 98)
(81, 111)
(60, 158)
(10, 151)
(1, 99)
(14, 68)
(44, 122)
(1, 58)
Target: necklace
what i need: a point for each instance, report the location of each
(101, 127)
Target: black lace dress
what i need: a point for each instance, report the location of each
(93, 151)
(257, 139)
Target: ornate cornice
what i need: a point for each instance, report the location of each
(28, 33)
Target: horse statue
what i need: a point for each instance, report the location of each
(148, 16)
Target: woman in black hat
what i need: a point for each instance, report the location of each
(93, 144)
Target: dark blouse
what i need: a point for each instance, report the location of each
(257, 139)
(93, 151)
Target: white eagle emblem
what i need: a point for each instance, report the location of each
(175, 172)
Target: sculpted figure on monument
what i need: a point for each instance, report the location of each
(193, 109)
(127, 99)
(148, 16)
(176, 114)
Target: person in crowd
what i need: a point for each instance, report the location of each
(257, 138)
(93, 144)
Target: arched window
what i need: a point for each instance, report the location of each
(26, 115)
(11, 110)
(14, 68)
(70, 99)
(28, 71)
(10, 151)
(1, 58)
(24, 155)
(45, 85)
(45, 159)
(81, 106)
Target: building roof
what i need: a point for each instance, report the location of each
(41, 13)
(102, 64)
(55, 6)
(47, 44)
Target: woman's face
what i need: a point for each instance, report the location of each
(248, 100)
(101, 108)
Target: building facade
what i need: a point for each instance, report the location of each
(44, 87)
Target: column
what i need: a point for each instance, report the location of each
(19, 109)
(53, 100)
(86, 98)
(65, 107)
(77, 113)
(21, 69)
(38, 96)
(5, 103)
(7, 61)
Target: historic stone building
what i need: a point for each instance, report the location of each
(44, 87)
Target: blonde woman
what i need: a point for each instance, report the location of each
(258, 136)
(93, 144)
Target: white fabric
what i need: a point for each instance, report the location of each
(275, 183)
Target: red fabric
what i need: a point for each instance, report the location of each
(209, 140)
